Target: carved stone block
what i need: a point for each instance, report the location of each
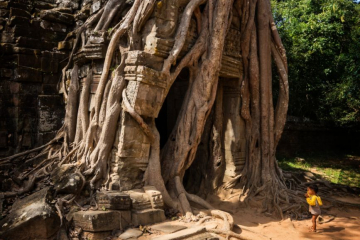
(113, 200)
(141, 58)
(155, 196)
(140, 200)
(232, 43)
(95, 51)
(158, 46)
(98, 37)
(145, 90)
(90, 52)
(147, 217)
(97, 221)
(230, 67)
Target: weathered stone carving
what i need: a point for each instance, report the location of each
(113, 200)
(234, 130)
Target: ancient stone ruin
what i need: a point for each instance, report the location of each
(37, 41)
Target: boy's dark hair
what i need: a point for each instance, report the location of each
(314, 187)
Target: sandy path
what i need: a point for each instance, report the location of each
(345, 226)
(257, 226)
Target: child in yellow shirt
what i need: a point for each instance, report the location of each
(314, 202)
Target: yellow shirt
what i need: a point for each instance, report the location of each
(314, 204)
(313, 199)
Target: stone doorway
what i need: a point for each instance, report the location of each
(169, 112)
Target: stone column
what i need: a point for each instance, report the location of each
(234, 131)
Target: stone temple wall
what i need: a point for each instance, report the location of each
(31, 109)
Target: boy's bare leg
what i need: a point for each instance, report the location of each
(314, 217)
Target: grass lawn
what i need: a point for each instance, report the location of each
(336, 168)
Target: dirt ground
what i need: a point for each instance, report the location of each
(257, 226)
(345, 225)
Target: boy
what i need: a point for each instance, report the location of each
(314, 202)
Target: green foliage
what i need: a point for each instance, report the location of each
(336, 169)
(322, 42)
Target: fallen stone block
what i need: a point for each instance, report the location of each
(147, 217)
(97, 221)
(31, 218)
(168, 228)
(131, 234)
(195, 233)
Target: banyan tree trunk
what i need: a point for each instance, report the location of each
(148, 43)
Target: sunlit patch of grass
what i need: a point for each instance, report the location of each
(339, 169)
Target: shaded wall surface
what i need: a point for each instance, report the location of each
(31, 109)
(301, 139)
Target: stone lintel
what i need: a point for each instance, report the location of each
(141, 58)
(146, 75)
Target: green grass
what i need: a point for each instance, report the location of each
(339, 169)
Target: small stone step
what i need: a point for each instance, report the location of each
(148, 217)
(131, 234)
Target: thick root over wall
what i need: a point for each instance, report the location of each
(87, 138)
